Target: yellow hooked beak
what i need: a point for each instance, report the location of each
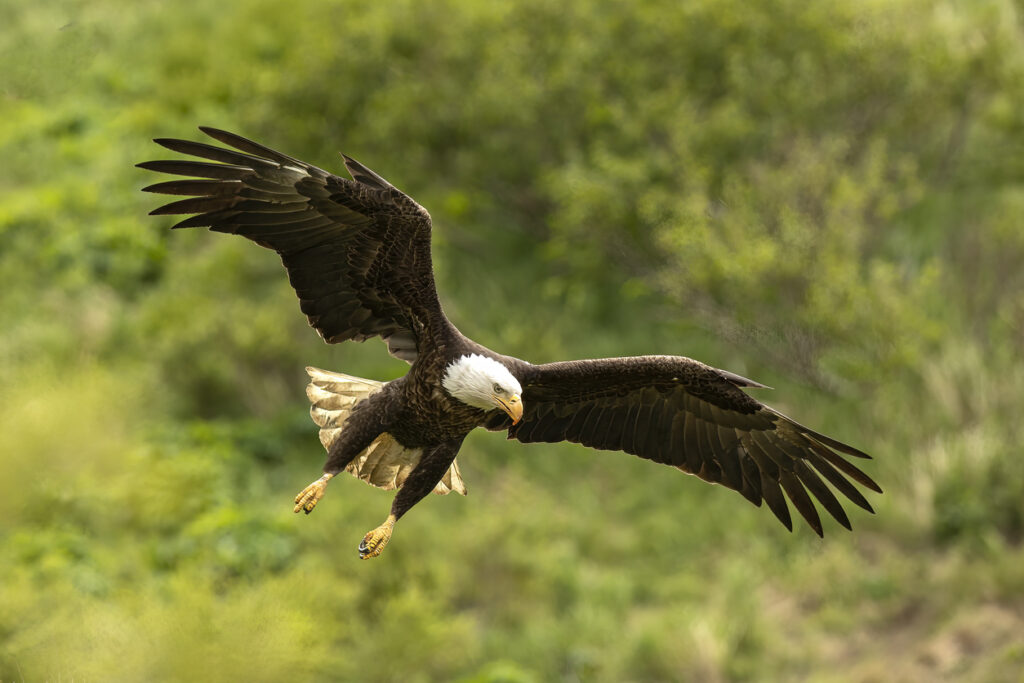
(512, 405)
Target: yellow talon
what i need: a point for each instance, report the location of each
(374, 542)
(308, 497)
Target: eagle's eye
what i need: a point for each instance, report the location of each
(498, 389)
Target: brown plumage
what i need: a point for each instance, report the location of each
(357, 253)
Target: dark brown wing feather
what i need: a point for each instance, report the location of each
(680, 412)
(357, 251)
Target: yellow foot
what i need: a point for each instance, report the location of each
(309, 496)
(374, 542)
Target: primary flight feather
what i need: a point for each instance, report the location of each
(357, 253)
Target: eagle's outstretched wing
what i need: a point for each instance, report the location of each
(357, 251)
(680, 412)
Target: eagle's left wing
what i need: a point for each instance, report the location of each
(681, 412)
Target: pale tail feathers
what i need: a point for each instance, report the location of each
(384, 463)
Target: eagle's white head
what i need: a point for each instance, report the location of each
(484, 383)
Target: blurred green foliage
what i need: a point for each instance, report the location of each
(826, 197)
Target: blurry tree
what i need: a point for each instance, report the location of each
(824, 196)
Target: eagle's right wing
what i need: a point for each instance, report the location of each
(357, 251)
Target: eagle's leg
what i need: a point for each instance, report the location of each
(421, 481)
(360, 430)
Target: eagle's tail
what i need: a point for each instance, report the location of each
(385, 463)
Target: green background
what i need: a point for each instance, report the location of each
(825, 197)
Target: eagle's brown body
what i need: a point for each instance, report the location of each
(357, 253)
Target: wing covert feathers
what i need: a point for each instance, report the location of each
(385, 463)
(680, 412)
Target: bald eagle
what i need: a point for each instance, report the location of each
(357, 253)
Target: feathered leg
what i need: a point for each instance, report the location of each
(421, 481)
(362, 427)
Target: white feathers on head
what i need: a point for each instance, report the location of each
(476, 380)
